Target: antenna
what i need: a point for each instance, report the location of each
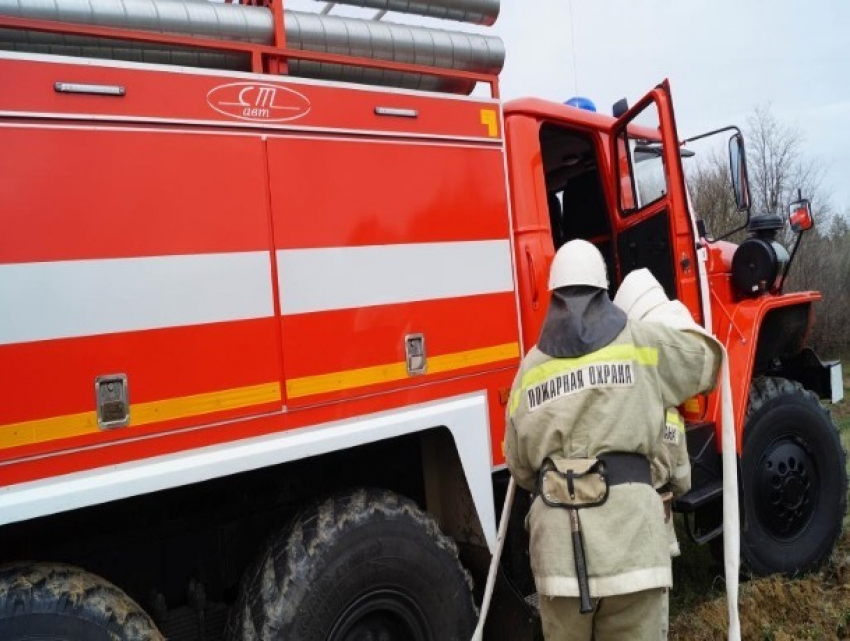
(573, 39)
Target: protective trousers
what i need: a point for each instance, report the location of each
(625, 617)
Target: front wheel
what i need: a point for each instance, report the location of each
(358, 567)
(794, 479)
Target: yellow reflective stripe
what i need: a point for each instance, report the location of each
(168, 410)
(69, 425)
(56, 427)
(349, 379)
(623, 352)
(675, 419)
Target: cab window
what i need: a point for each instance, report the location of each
(575, 196)
(643, 178)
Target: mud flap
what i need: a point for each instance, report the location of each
(824, 378)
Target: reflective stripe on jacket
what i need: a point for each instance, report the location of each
(671, 469)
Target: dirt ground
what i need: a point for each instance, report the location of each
(778, 609)
(773, 608)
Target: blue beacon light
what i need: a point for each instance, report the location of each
(580, 102)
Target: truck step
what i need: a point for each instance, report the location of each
(698, 497)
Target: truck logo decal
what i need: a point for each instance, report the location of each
(258, 102)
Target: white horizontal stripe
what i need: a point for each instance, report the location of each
(313, 280)
(65, 299)
(466, 417)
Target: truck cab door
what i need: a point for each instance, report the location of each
(653, 225)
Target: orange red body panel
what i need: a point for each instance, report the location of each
(346, 339)
(376, 191)
(71, 194)
(56, 377)
(150, 235)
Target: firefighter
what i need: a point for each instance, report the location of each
(589, 397)
(643, 298)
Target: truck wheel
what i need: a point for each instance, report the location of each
(55, 602)
(365, 565)
(794, 480)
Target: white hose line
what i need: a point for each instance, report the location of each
(731, 514)
(478, 635)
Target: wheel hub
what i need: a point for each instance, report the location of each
(787, 488)
(382, 615)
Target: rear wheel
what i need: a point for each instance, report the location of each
(54, 602)
(794, 480)
(364, 566)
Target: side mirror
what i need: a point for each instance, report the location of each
(738, 165)
(800, 215)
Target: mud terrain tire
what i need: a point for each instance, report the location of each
(794, 479)
(54, 602)
(368, 564)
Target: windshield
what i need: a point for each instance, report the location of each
(650, 180)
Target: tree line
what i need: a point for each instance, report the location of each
(778, 171)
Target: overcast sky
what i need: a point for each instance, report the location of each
(723, 58)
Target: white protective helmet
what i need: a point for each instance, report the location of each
(639, 294)
(642, 297)
(578, 262)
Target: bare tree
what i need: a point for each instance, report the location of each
(778, 168)
(710, 187)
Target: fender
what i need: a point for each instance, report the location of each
(465, 416)
(739, 326)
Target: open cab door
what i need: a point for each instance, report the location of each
(653, 224)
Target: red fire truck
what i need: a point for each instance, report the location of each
(265, 279)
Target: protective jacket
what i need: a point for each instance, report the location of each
(609, 400)
(671, 469)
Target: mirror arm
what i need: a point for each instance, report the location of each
(734, 231)
(711, 133)
(790, 262)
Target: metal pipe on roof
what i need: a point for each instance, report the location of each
(483, 12)
(310, 32)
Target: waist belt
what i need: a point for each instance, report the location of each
(626, 467)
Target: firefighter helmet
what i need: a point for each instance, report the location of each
(578, 262)
(639, 294)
